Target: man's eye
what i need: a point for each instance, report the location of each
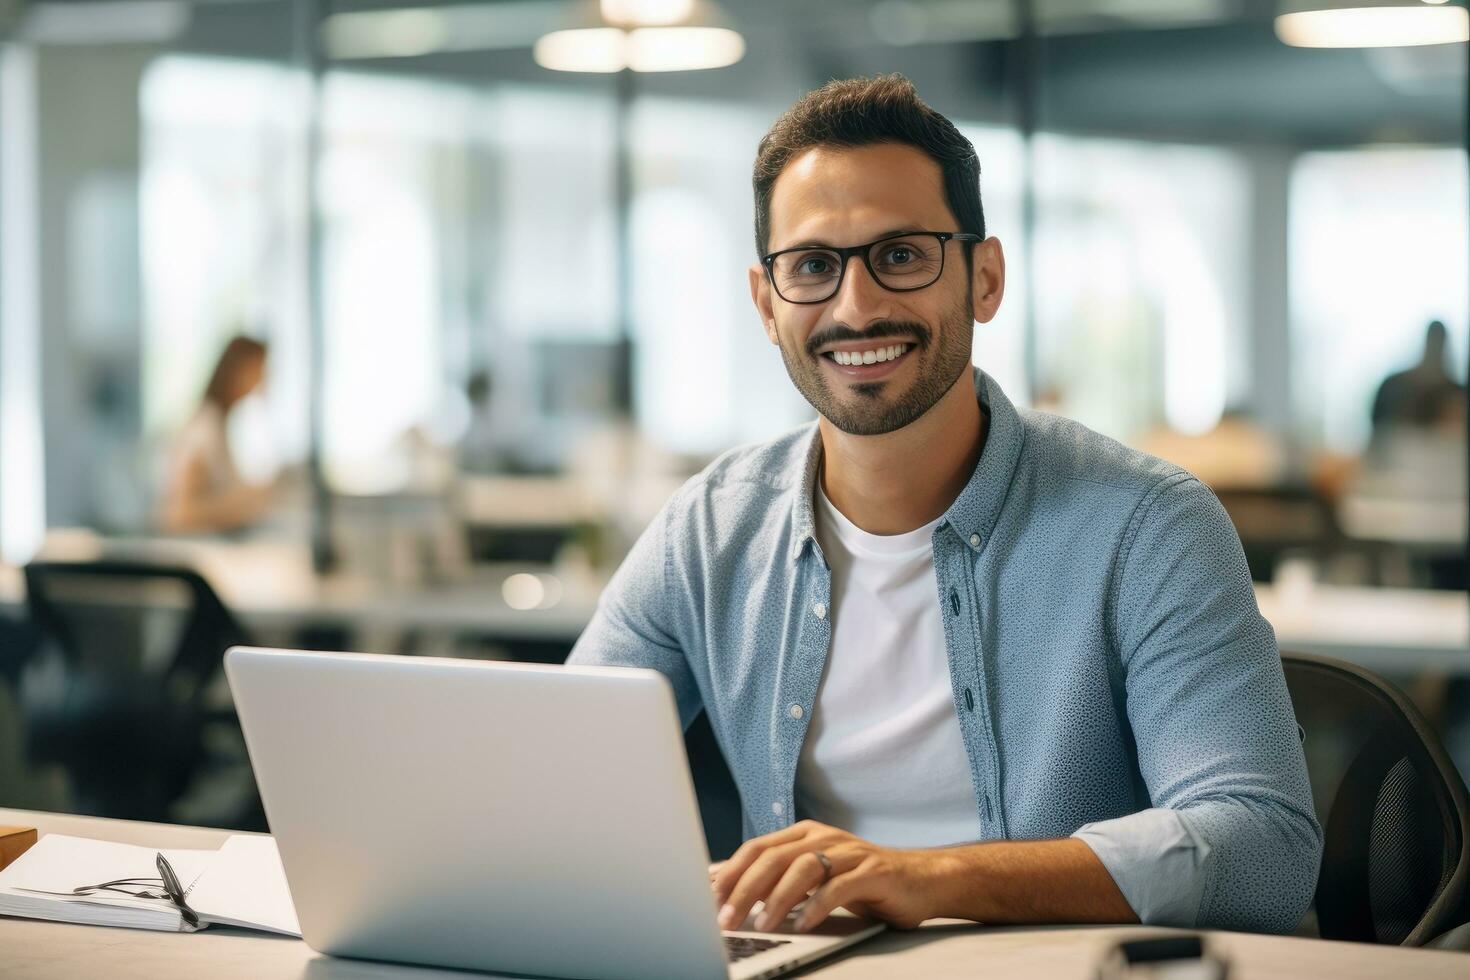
(898, 255)
(817, 265)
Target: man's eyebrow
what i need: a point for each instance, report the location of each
(817, 243)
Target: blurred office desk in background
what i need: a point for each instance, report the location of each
(272, 589)
(1432, 524)
(1387, 630)
(58, 951)
(527, 500)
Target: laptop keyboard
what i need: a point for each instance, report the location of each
(739, 947)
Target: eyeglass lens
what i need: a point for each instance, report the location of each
(811, 275)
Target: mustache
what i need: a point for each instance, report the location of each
(883, 328)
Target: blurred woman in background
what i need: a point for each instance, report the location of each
(203, 491)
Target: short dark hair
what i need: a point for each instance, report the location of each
(861, 112)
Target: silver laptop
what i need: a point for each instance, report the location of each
(491, 816)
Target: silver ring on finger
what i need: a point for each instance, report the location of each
(826, 865)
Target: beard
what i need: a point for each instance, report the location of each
(870, 408)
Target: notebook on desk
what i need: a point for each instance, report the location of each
(240, 885)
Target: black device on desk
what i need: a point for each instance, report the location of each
(1162, 958)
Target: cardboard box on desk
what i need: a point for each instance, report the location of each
(15, 841)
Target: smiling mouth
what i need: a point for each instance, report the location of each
(868, 355)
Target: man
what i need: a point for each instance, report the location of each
(963, 660)
(1425, 396)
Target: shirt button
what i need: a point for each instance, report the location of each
(819, 610)
(795, 711)
(777, 808)
(975, 541)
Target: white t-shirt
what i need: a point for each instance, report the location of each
(205, 438)
(884, 757)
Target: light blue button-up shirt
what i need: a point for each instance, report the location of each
(1111, 673)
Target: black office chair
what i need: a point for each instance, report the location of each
(1394, 810)
(138, 646)
(1279, 521)
(714, 789)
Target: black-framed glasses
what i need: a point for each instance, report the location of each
(147, 888)
(900, 263)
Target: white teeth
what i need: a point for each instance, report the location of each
(875, 356)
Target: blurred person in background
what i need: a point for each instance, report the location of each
(482, 449)
(1425, 396)
(1417, 450)
(1409, 487)
(203, 490)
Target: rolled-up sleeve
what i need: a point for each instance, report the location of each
(1231, 840)
(633, 623)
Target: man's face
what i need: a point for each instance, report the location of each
(851, 196)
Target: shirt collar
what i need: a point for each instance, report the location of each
(975, 511)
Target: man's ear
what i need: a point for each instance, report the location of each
(987, 278)
(760, 295)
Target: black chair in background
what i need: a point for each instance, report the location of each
(1275, 522)
(1393, 807)
(714, 789)
(18, 643)
(126, 715)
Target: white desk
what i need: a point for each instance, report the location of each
(1434, 526)
(1387, 630)
(54, 951)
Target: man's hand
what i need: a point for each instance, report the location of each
(782, 869)
(996, 882)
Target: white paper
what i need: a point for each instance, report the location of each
(58, 863)
(245, 885)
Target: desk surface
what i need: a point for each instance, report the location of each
(53, 951)
(271, 585)
(1389, 630)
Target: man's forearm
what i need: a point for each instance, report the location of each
(1027, 881)
(825, 867)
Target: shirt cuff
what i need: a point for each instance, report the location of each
(1157, 862)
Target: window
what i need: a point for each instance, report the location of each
(223, 249)
(1377, 251)
(1142, 283)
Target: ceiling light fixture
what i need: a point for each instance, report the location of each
(105, 22)
(411, 32)
(646, 13)
(643, 36)
(1371, 23)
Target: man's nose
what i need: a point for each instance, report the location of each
(859, 300)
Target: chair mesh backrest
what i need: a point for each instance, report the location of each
(1391, 804)
(1409, 859)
